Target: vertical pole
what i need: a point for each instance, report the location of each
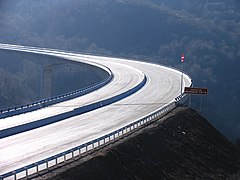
(189, 103)
(26, 172)
(47, 164)
(201, 104)
(15, 175)
(182, 60)
(182, 79)
(37, 168)
(47, 81)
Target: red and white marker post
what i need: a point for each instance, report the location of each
(182, 60)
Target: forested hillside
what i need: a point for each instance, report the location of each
(207, 31)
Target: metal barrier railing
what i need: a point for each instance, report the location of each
(85, 148)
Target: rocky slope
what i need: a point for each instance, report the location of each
(183, 145)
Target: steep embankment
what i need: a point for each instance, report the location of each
(183, 146)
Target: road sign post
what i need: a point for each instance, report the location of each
(196, 91)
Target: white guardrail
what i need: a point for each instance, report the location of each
(83, 149)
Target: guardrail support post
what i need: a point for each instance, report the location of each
(79, 151)
(15, 175)
(37, 168)
(47, 164)
(64, 157)
(56, 160)
(26, 172)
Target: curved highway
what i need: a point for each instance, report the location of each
(161, 88)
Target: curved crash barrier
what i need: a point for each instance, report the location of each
(34, 169)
